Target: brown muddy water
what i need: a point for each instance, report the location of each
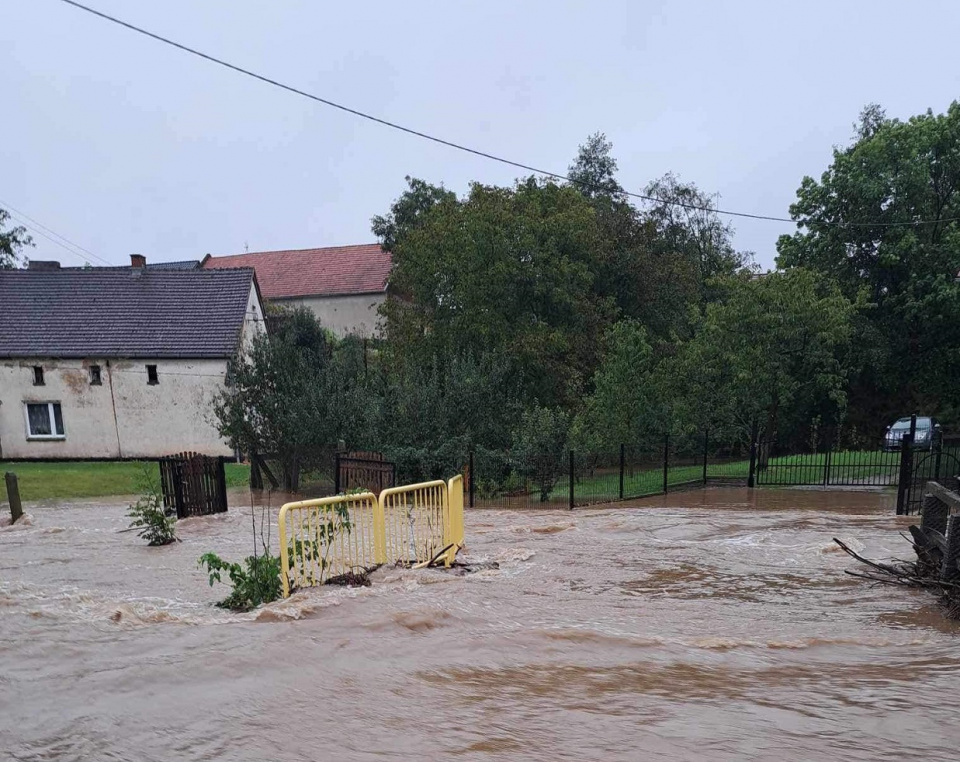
(712, 625)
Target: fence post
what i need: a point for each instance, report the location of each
(13, 496)
(906, 473)
(571, 479)
(622, 459)
(666, 460)
(336, 473)
(178, 488)
(706, 447)
(473, 477)
(222, 484)
(826, 468)
(936, 463)
(752, 474)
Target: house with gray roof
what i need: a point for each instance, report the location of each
(118, 362)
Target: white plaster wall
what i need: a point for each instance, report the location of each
(173, 416)
(356, 314)
(253, 322)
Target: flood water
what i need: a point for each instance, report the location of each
(708, 625)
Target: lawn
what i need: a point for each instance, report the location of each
(72, 479)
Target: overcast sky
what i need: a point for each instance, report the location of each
(124, 145)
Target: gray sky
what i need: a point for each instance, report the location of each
(124, 145)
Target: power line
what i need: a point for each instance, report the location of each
(461, 147)
(39, 227)
(50, 238)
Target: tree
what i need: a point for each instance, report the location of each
(594, 170)
(772, 348)
(12, 242)
(506, 272)
(885, 218)
(539, 443)
(407, 212)
(293, 395)
(430, 416)
(686, 225)
(624, 407)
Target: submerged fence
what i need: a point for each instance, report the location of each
(418, 524)
(573, 478)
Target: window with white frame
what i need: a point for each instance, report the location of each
(44, 420)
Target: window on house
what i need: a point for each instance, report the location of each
(152, 377)
(95, 375)
(44, 420)
(38, 375)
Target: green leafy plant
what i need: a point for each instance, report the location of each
(254, 582)
(149, 516)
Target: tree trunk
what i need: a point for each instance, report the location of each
(290, 481)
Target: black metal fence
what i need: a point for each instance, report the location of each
(573, 478)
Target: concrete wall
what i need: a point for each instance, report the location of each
(124, 417)
(356, 314)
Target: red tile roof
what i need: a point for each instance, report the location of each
(335, 270)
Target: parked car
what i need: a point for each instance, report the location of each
(926, 435)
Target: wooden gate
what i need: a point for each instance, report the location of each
(366, 470)
(193, 484)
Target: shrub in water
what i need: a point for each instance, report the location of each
(150, 518)
(254, 582)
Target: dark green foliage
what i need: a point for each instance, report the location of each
(539, 446)
(294, 394)
(12, 242)
(255, 582)
(894, 173)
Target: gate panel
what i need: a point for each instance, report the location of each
(940, 465)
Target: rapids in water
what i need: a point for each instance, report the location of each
(708, 625)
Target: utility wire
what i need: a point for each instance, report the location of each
(39, 227)
(467, 149)
(50, 238)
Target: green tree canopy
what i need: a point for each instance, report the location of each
(771, 346)
(294, 395)
(507, 272)
(885, 218)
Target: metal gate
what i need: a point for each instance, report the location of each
(193, 484)
(870, 468)
(941, 465)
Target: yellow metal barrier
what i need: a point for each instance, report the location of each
(415, 519)
(415, 524)
(455, 536)
(322, 538)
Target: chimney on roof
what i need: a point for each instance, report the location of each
(138, 261)
(43, 265)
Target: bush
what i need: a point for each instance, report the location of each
(539, 443)
(255, 582)
(150, 518)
